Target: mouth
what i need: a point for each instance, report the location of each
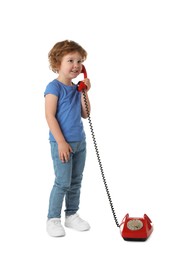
(75, 71)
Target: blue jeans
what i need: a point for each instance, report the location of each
(68, 178)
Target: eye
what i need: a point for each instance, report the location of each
(70, 61)
(79, 61)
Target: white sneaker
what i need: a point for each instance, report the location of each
(75, 222)
(54, 227)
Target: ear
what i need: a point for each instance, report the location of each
(57, 68)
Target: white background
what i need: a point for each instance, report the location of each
(130, 64)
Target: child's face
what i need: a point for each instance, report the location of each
(71, 65)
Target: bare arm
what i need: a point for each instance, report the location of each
(84, 111)
(64, 149)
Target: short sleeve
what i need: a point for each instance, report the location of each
(52, 88)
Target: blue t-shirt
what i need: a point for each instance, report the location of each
(68, 111)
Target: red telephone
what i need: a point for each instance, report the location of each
(132, 229)
(136, 229)
(81, 85)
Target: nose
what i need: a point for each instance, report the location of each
(76, 64)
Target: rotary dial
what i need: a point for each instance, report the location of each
(134, 224)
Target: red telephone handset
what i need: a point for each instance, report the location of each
(136, 229)
(81, 85)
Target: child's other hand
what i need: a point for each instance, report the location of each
(64, 151)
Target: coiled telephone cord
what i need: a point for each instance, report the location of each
(99, 160)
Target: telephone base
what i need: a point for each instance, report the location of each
(136, 229)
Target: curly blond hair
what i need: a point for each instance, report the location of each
(62, 48)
